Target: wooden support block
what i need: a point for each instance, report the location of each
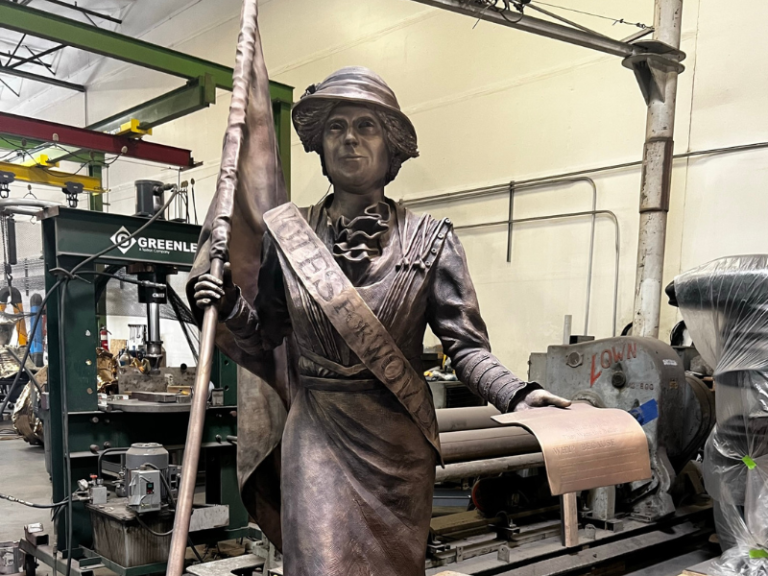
(570, 519)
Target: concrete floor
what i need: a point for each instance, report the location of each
(23, 475)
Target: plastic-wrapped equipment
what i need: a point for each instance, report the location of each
(725, 306)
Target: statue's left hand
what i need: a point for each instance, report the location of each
(539, 399)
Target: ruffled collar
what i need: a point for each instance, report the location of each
(359, 245)
(362, 238)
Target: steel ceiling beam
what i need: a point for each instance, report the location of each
(36, 57)
(37, 78)
(91, 140)
(12, 57)
(536, 26)
(166, 107)
(120, 47)
(111, 44)
(85, 11)
(194, 96)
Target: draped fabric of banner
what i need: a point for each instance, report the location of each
(264, 390)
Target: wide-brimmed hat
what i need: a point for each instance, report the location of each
(355, 85)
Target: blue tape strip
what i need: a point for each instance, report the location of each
(647, 412)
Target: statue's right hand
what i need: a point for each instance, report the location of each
(210, 290)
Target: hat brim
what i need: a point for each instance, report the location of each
(317, 100)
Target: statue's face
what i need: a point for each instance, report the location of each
(354, 150)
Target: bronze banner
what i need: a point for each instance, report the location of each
(586, 447)
(320, 275)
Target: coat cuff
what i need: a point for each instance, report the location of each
(509, 398)
(238, 320)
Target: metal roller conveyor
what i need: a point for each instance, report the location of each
(488, 443)
(472, 418)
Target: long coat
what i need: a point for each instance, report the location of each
(357, 474)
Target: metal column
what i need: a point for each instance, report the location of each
(661, 91)
(656, 64)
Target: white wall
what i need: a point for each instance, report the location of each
(492, 105)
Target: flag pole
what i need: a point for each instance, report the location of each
(220, 233)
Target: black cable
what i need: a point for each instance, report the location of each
(15, 316)
(23, 151)
(104, 453)
(38, 315)
(122, 278)
(101, 283)
(32, 504)
(129, 237)
(71, 156)
(27, 370)
(168, 489)
(148, 529)
(501, 11)
(184, 316)
(65, 421)
(194, 204)
(83, 165)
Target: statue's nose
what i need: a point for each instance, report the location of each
(351, 136)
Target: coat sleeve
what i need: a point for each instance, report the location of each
(453, 314)
(263, 325)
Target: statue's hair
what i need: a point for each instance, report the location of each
(398, 136)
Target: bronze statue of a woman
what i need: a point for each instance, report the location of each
(354, 281)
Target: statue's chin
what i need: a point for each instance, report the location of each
(357, 186)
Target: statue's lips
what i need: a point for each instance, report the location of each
(351, 157)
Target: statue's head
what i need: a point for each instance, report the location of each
(353, 121)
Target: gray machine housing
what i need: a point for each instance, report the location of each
(145, 462)
(646, 377)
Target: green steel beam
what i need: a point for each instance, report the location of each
(196, 95)
(120, 47)
(96, 201)
(16, 143)
(86, 37)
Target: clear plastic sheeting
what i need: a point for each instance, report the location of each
(725, 307)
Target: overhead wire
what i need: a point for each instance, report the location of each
(592, 14)
(71, 156)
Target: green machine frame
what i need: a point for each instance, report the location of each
(70, 236)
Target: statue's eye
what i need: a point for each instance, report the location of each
(367, 124)
(335, 126)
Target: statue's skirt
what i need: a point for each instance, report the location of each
(357, 482)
